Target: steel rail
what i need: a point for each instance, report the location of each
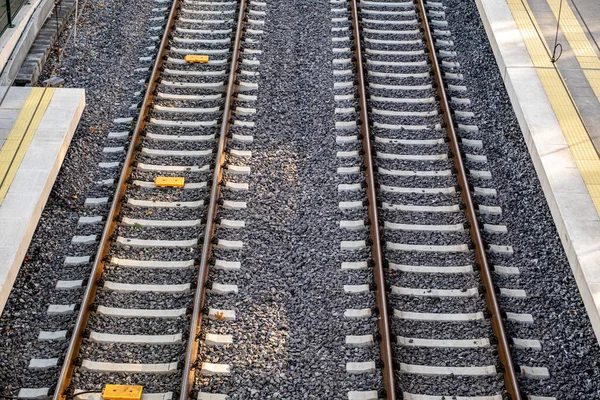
(200, 295)
(510, 378)
(68, 365)
(385, 345)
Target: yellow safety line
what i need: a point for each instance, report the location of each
(18, 140)
(582, 49)
(580, 145)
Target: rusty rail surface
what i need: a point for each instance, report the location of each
(385, 345)
(199, 297)
(510, 377)
(68, 366)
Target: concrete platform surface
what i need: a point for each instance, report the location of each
(554, 128)
(36, 127)
(579, 38)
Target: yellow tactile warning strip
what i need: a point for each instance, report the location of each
(580, 145)
(579, 43)
(21, 134)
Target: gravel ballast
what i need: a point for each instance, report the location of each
(289, 332)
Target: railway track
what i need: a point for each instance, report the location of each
(404, 139)
(146, 288)
(441, 302)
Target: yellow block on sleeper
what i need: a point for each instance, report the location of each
(196, 58)
(169, 181)
(122, 392)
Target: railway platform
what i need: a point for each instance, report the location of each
(548, 54)
(36, 127)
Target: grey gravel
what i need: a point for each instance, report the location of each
(54, 81)
(289, 332)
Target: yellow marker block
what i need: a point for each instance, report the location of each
(21, 134)
(196, 58)
(168, 181)
(581, 147)
(122, 392)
